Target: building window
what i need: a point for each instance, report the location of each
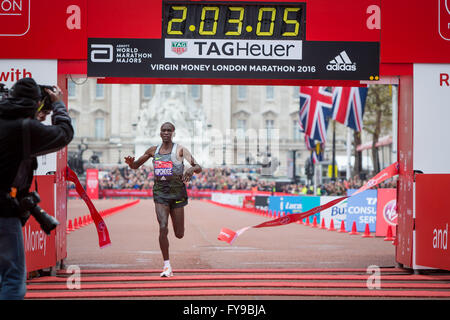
(242, 92)
(72, 89)
(241, 127)
(270, 92)
(270, 124)
(147, 91)
(241, 124)
(99, 128)
(195, 91)
(296, 128)
(99, 91)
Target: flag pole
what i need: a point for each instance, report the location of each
(333, 161)
(349, 152)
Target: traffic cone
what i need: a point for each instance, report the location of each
(331, 228)
(322, 225)
(306, 222)
(75, 224)
(389, 234)
(70, 227)
(367, 232)
(80, 222)
(314, 224)
(342, 229)
(353, 232)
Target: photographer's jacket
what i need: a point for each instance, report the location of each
(43, 139)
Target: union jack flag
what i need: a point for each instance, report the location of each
(315, 109)
(310, 144)
(348, 106)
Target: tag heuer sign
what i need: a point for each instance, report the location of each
(179, 47)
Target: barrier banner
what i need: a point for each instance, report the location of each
(386, 211)
(385, 174)
(338, 213)
(102, 230)
(310, 202)
(362, 209)
(262, 203)
(288, 204)
(249, 202)
(92, 183)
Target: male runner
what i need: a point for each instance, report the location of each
(169, 190)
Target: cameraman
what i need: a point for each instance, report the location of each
(23, 102)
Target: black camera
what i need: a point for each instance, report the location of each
(29, 203)
(46, 102)
(4, 92)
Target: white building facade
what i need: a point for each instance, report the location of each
(107, 117)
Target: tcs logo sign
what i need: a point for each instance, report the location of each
(444, 19)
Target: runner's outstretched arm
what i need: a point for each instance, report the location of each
(136, 164)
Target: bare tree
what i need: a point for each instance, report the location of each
(378, 117)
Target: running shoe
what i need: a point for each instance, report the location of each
(167, 272)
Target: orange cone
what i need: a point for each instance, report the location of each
(353, 232)
(342, 229)
(331, 228)
(322, 225)
(389, 234)
(367, 232)
(314, 224)
(75, 224)
(70, 227)
(80, 222)
(307, 222)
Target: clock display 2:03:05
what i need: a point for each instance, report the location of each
(237, 21)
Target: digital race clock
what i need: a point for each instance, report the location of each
(234, 21)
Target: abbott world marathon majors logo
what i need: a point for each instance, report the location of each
(341, 62)
(14, 17)
(233, 49)
(119, 53)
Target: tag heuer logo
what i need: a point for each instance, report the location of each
(179, 47)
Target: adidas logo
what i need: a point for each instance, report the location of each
(341, 63)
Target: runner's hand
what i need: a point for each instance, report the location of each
(129, 160)
(188, 174)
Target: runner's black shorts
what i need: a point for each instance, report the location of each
(172, 203)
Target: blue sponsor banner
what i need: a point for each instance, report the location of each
(362, 209)
(309, 202)
(287, 204)
(295, 204)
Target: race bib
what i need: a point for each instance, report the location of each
(163, 168)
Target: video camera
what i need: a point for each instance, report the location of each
(3, 91)
(46, 102)
(28, 204)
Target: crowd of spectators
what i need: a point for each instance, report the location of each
(227, 179)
